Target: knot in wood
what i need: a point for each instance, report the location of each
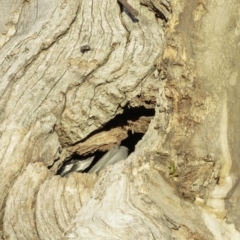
(85, 48)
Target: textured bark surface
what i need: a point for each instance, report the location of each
(170, 74)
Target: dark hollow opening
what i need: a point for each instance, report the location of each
(132, 114)
(120, 120)
(130, 142)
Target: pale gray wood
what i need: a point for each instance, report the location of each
(182, 180)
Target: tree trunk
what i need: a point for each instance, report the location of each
(80, 77)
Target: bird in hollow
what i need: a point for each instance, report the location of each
(114, 155)
(75, 165)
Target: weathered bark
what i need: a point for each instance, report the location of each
(58, 101)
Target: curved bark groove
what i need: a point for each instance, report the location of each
(26, 188)
(47, 82)
(34, 191)
(61, 205)
(138, 208)
(114, 82)
(57, 101)
(23, 84)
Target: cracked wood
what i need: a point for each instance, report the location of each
(132, 10)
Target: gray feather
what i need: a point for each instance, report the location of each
(114, 155)
(65, 169)
(76, 166)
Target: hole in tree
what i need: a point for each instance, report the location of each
(98, 155)
(130, 142)
(120, 120)
(132, 114)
